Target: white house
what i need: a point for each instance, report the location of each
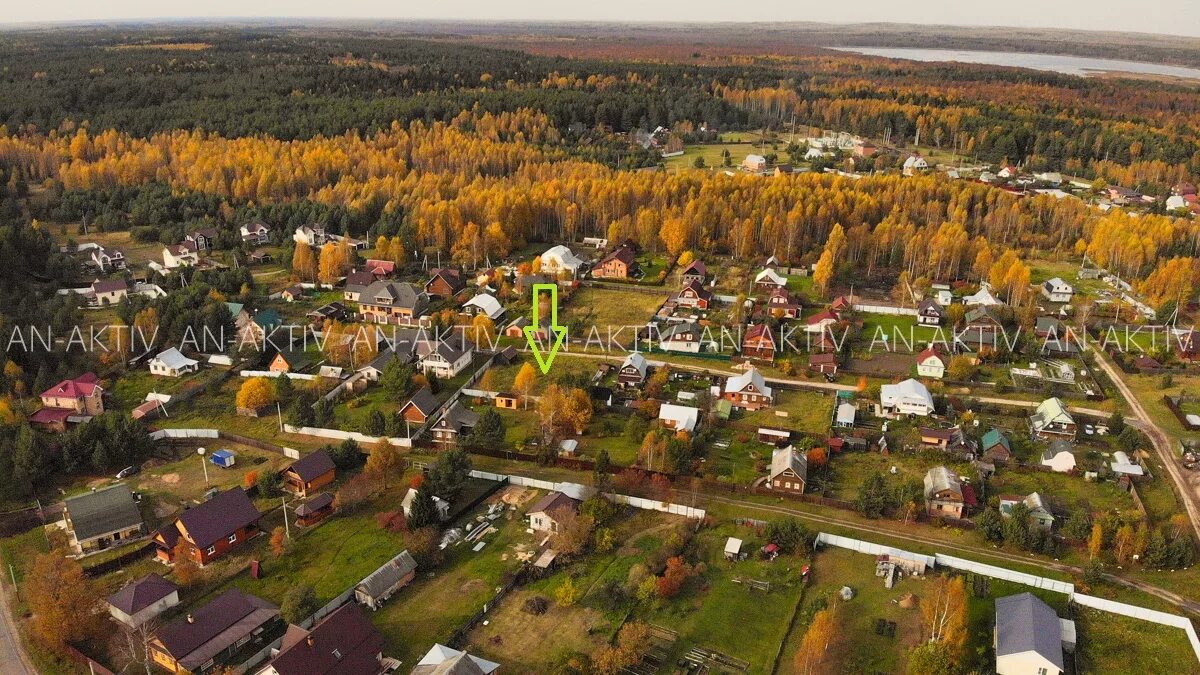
(440, 505)
(754, 163)
(442, 358)
(931, 363)
(1058, 456)
(1057, 290)
(983, 298)
(107, 259)
(180, 255)
(682, 337)
(172, 363)
(484, 304)
(560, 259)
(1051, 420)
(1030, 637)
(915, 164)
(255, 233)
(1123, 466)
(909, 397)
(1175, 202)
(107, 292)
(313, 235)
(769, 277)
(679, 417)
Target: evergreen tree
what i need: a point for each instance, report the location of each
(423, 511)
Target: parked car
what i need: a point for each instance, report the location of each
(128, 471)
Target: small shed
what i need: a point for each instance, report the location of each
(224, 458)
(385, 581)
(568, 446)
(733, 549)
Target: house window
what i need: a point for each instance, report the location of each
(233, 538)
(211, 550)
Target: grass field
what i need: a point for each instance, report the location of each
(1110, 643)
(858, 649)
(438, 602)
(898, 333)
(603, 308)
(803, 410)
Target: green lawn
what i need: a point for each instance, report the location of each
(798, 410)
(435, 604)
(1110, 643)
(605, 308)
(858, 649)
(703, 617)
(901, 333)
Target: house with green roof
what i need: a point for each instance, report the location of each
(996, 447)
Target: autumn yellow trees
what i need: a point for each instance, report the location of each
(255, 393)
(823, 631)
(563, 412)
(830, 258)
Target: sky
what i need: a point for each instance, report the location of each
(1175, 17)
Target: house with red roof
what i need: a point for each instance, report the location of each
(821, 321)
(694, 295)
(80, 397)
(782, 305)
(759, 343)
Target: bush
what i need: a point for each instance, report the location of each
(536, 605)
(298, 604)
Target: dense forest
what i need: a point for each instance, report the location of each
(293, 84)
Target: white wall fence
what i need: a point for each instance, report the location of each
(1032, 580)
(885, 309)
(268, 373)
(184, 433)
(1005, 574)
(872, 548)
(339, 435)
(1135, 612)
(344, 385)
(579, 491)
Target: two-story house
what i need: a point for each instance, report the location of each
(392, 302)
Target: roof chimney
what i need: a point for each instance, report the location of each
(310, 641)
(191, 619)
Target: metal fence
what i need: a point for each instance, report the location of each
(1006, 574)
(872, 548)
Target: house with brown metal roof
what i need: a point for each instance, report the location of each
(343, 643)
(143, 599)
(225, 632)
(309, 473)
(544, 516)
(211, 529)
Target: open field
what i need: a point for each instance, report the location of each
(603, 308)
(859, 648)
(797, 410)
(438, 602)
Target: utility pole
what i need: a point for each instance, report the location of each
(287, 528)
(279, 412)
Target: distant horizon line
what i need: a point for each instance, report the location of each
(285, 20)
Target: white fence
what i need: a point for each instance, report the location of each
(291, 453)
(338, 434)
(268, 373)
(886, 309)
(1135, 612)
(1006, 574)
(872, 548)
(579, 491)
(184, 433)
(1068, 589)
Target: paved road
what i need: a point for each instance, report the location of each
(13, 660)
(1159, 438)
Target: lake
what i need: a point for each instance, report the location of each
(1059, 63)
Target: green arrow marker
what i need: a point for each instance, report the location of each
(559, 332)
